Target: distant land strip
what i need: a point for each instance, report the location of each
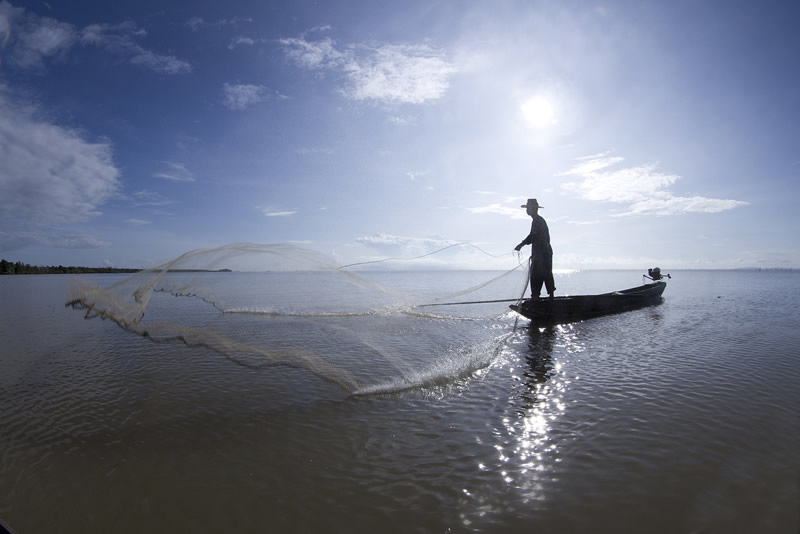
(7, 267)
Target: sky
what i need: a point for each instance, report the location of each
(652, 133)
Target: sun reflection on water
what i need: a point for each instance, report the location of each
(527, 448)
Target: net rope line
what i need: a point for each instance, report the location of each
(463, 243)
(458, 293)
(346, 267)
(517, 300)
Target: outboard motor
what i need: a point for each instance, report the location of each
(655, 274)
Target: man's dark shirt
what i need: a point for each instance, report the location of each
(539, 237)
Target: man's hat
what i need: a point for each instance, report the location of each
(531, 202)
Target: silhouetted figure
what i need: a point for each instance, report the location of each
(542, 253)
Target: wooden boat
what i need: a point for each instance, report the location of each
(579, 307)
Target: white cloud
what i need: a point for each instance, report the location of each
(385, 73)
(49, 173)
(176, 172)
(242, 96)
(313, 55)
(398, 73)
(137, 222)
(642, 188)
(625, 185)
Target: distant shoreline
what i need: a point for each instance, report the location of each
(6, 267)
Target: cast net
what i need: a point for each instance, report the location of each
(378, 329)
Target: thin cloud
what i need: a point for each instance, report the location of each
(592, 164)
(382, 240)
(486, 193)
(641, 188)
(386, 73)
(48, 237)
(423, 251)
(315, 55)
(269, 212)
(242, 96)
(137, 222)
(31, 38)
(306, 151)
(515, 212)
(195, 23)
(243, 40)
(159, 63)
(176, 172)
(119, 39)
(593, 156)
(403, 120)
(49, 173)
(198, 23)
(148, 198)
(5, 26)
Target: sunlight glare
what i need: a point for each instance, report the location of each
(539, 112)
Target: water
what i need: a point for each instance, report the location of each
(681, 417)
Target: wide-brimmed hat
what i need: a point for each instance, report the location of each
(531, 203)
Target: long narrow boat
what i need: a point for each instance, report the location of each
(579, 307)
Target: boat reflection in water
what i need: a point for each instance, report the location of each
(539, 359)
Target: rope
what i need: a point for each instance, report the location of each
(422, 256)
(524, 287)
(470, 290)
(470, 302)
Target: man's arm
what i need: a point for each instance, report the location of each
(527, 241)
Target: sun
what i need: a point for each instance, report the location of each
(539, 112)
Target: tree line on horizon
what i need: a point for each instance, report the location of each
(7, 267)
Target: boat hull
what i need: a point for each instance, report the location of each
(569, 309)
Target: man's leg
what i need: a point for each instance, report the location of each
(536, 285)
(549, 282)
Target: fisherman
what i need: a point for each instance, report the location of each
(541, 270)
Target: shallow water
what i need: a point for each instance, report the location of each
(680, 417)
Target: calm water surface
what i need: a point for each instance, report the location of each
(681, 417)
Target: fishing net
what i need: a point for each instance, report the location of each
(378, 329)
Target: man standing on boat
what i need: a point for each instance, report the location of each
(541, 270)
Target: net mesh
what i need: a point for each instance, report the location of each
(279, 304)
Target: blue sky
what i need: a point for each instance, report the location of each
(653, 133)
